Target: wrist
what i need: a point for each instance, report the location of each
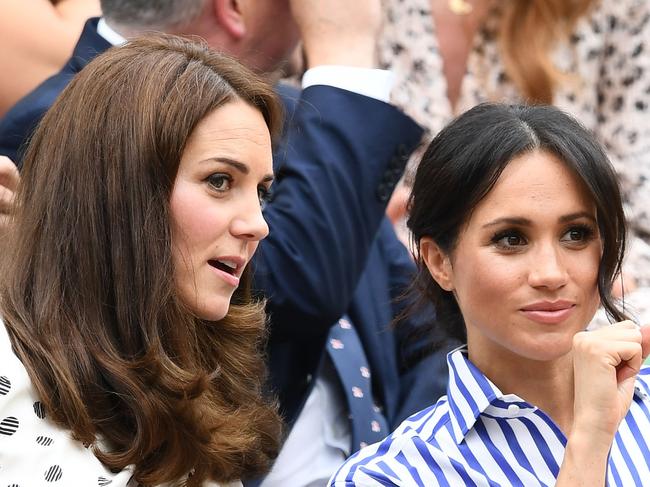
(354, 55)
(589, 443)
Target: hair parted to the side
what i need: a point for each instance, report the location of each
(529, 31)
(87, 293)
(463, 163)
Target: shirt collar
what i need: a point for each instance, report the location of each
(470, 393)
(109, 34)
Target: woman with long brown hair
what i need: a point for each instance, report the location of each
(588, 57)
(130, 345)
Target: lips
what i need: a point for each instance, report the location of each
(229, 268)
(549, 312)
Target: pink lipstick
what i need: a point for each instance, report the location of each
(549, 312)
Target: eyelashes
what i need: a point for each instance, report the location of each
(223, 182)
(265, 195)
(512, 239)
(579, 233)
(220, 182)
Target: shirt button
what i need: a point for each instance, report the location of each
(513, 409)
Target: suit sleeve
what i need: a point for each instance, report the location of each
(21, 121)
(421, 346)
(341, 157)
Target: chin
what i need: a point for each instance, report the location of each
(212, 310)
(213, 314)
(546, 351)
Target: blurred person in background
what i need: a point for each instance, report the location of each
(36, 39)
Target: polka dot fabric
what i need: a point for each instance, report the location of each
(34, 452)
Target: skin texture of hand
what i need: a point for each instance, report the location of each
(8, 183)
(605, 363)
(338, 31)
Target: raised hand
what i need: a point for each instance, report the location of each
(605, 363)
(8, 183)
(338, 31)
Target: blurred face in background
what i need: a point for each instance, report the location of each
(216, 206)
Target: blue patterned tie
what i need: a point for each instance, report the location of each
(344, 348)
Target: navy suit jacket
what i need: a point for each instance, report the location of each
(330, 250)
(19, 123)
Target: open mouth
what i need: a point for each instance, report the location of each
(223, 266)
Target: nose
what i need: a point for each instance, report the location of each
(249, 223)
(547, 267)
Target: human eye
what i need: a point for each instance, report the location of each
(578, 235)
(219, 182)
(509, 240)
(264, 194)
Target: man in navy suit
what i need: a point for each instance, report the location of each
(330, 251)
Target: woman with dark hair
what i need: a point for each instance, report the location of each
(130, 345)
(587, 57)
(520, 231)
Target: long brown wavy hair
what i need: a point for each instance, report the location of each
(87, 294)
(530, 29)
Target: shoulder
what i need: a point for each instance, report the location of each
(411, 447)
(16, 126)
(34, 105)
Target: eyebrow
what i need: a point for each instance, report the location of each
(240, 166)
(525, 222)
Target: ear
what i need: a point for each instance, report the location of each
(230, 16)
(438, 263)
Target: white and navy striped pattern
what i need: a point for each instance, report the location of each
(477, 436)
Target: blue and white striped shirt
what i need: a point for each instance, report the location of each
(478, 436)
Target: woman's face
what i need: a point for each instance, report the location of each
(524, 270)
(224, 174)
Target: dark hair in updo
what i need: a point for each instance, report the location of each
(463, 163)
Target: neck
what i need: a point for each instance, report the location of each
(547, 385)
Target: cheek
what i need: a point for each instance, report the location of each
(196, 221)
(484, 280)
(584, 272)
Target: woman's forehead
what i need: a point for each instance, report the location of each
(536, 183)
